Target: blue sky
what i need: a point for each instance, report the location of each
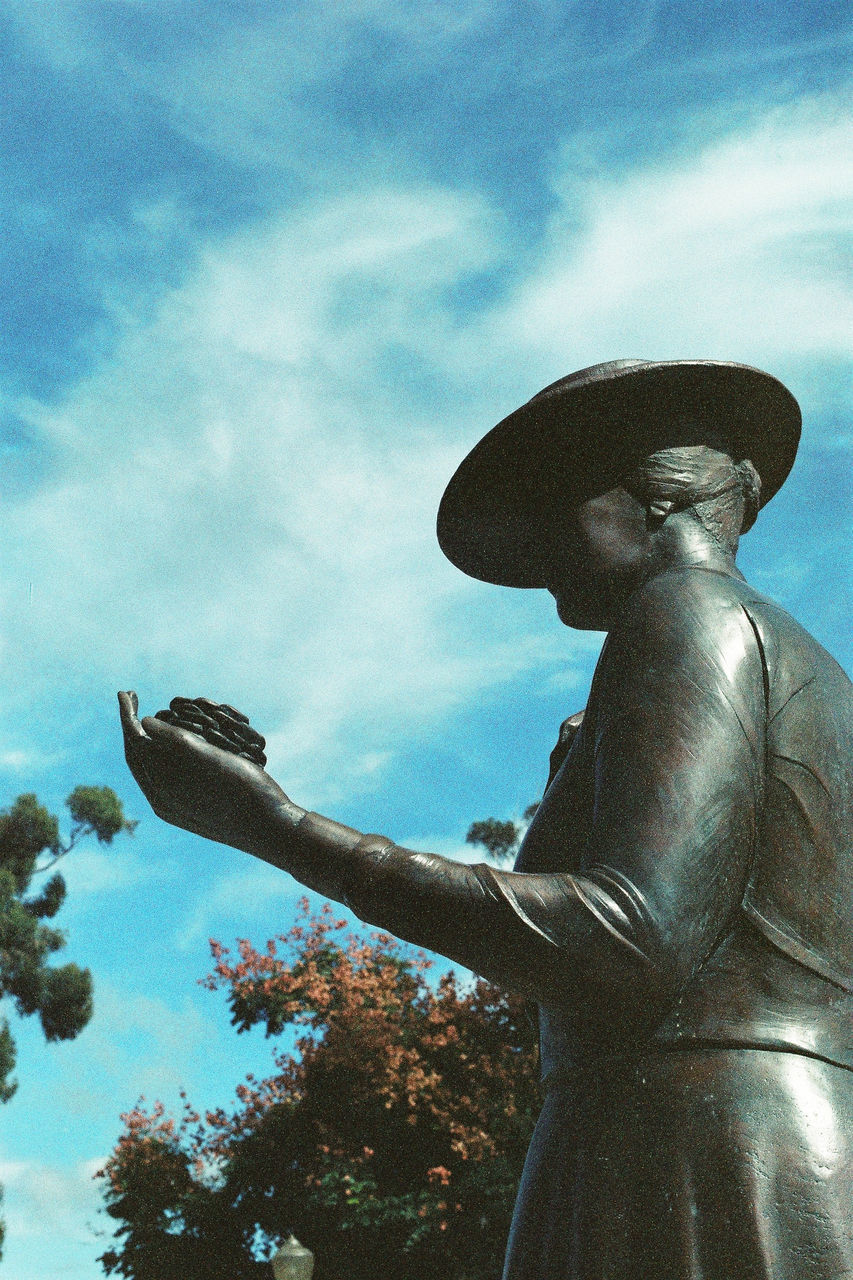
(269, 270)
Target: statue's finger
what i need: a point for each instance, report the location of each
(235, 745)
(169, 735)
(223, 726)
(180, 722)
(187, 723)
(229, 717)
(222, 716)
(242, 734)
(128, 705)
(192, 724)
(204, 727)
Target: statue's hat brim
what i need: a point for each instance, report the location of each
(579, 435)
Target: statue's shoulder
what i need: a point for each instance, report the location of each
(693, 583)
(721, 617)
(683, 634)
(687, 602)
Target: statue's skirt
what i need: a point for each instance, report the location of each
(693, 1164)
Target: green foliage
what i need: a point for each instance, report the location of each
(26, 831)
(48, 902)
(7, 1063)
(30, 845)
(499, 838)
(66, 1002)
(97, 811)
(174, 1232)
(176, 1229)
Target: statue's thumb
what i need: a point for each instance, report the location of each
(128, 706)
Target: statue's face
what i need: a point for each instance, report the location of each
(597, 554)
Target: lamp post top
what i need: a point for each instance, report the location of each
(293, 1261)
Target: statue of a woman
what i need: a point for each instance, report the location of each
(682, 906)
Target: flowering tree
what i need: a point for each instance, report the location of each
(390, 1139)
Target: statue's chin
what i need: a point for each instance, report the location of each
(575, 613)
(577, 607)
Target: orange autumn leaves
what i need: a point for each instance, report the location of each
(397, 1115)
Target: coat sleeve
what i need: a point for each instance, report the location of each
(676, 730)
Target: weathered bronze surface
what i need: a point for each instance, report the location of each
(682, 906)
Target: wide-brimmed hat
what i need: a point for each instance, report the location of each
(579, 435)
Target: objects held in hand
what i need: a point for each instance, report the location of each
(219, 724)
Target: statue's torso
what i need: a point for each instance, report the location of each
(781, 974)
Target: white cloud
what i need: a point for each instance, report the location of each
(733, 253)
(247, 506)
(43, 1200)
(239, 93)
(249, 484)
(93, 870)
(255, 892)
(135, 1044)
(60, 34)
(19, 762)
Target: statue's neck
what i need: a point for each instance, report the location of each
(682, 543)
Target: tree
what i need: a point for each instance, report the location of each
(500, 837)
(30, 845)
(390, 1139)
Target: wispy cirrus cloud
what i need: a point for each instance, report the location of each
(273, 270)
(235, 901)
(737, 252)
(44, 1200)
(246, 491)
(266, 521)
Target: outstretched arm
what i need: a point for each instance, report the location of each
(678, 758)
(214, 790)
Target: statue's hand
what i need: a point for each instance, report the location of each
(200, 765)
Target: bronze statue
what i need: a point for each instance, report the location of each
(682, 906)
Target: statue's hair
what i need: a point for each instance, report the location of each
(721, 494)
